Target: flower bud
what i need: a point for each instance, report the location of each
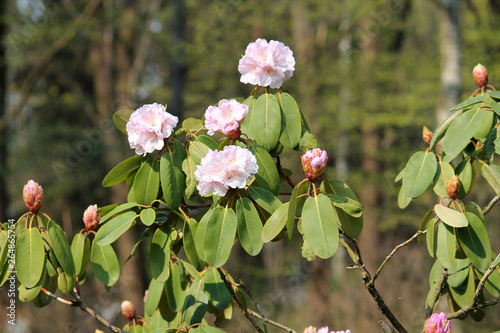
(310, 329)
(480, 75)
(313, 163)
(33, 196)
(438, 323)
(453, 186)
(91, 218)
(427, 135)
(128, 310)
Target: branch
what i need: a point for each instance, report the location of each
(79, 303)
(440, 284)
(272, 322)
(261, 315)
(46, 58)
(493, 201)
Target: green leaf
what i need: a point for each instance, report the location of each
(469, 102)
(29, 294)
(319, 226)
(245, 125)
(117, 210)
(219, 237)
(475, 242)
(114, 228)
(494, 94)
(190, 227)
(216, 290)
(264, 199)
(192, 124)
(204, 328)
(446, 245)
(492, 174)
(458, 273)
(403, 199)
(196, 303)
(176, 287)
(105, 264)
(61, 248)
(189, 167)
(199, 148)
(348, 205)
(201, 232)
(294, 204)
(147, 182)
(155, 291)
(30, 255)
(460, 132)
(65, 282)
(148, 216)
(265, 121)
(492, 284)
(490, 145)
(445, 173)
(419, 173)
(120, 172)
(451, 217)
(267, 176)
(159, 255)
(486, 125)
(467, 175)
(275, 223)
(464, 293)
(429, 237)
(249, 226)
(172, 179)
(120, 118)
(291, 125)
(80, 249)
(441, 130)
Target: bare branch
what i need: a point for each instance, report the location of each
(493, 201)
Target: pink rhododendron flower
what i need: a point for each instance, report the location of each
(221, 170)
(226, 118)
(91, 218)
(323, 330)
(438, 323)
(310, 329)
(148, 126)
(266, 64)
(313, 163)
(33, 196)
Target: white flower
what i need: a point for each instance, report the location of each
(226, 118)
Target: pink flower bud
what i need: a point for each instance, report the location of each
(33, 196)
(438, 323)
(427, 135)
(480, 75)
(453, 186)
(310, 329)
(313, 163)
(91, 218)
(128, 310)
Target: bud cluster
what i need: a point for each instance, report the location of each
(33, 196)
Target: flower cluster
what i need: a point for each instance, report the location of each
(438, 323)
(266, 64)
(226, 118)
(148, 126)
(33, 196)
(312, 329)
(314, 163)
(221, 170)
(91, 218)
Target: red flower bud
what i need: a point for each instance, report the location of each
(427, 135)
(480, 75)
(453, 186)
(33, 196)
(91, 218)
(128, 310)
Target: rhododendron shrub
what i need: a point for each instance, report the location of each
(192, 195)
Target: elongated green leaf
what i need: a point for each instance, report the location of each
(249, 226)
(492, 283)
(464, 293)
(147, 182)
(265, 121)
(494, 94)
(451, 217)
(446, 245)
(117, 210)
(403, 199)
(291, 126)
(30, 257)
(429, 237)
(65, 282)
(319, 226)
(458, 273)
(201, 231)
(265, 199)
(159, 255)
(204, 328)
(199, 148)
(172, 179)
(155, 291)
(485, 126)
(120, 118)
(120, 172)
(467, 175)
(148, 216)
(80, 249)
(445, 172)
(105, 264)
(348, 205)
(267, 176)
(419, 173)
(492, 174)
(460, 132)
(423, 224)
(475, 242)
(114, 228)
(192, 124)
(189, 167)
(190, 227)
(196, 302)
(61, 248)
(275, 223)
(469, 102)
(294, 203)
(216, 290)
(219, 237)
(29, 294)
(176, 287)
(441, 130)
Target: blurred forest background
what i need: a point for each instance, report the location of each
(369, 74)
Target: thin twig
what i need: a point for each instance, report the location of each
(440, 285)
(242, 285)
(283, 173)
(481, 283)
(493, 201)
(272, 322)
(412, 238)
